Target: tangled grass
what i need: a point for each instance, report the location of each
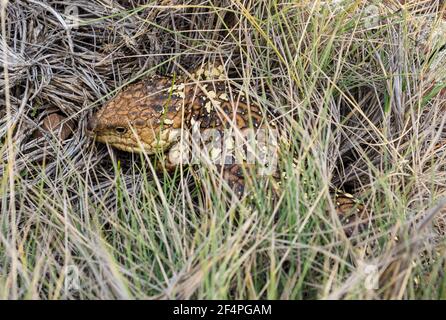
(359, 87)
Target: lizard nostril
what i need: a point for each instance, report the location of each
(91, 125)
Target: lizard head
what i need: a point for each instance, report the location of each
(145, 117)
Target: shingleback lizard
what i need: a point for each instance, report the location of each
(153, 115)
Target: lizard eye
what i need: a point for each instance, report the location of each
(120, 130)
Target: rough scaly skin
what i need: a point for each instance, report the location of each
(151, 115)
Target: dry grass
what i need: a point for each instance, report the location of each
(362, 101)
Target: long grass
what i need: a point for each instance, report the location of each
(358, 88)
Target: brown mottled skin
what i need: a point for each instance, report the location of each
(149, 116)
